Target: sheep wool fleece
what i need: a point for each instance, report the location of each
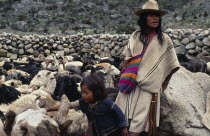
(158, 62)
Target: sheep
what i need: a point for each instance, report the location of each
(28, 101)
(23, 73)
(24, 89)
(193, 65)
(13, 83)
(74, 66)
(24, 77)
(34, 122)
(8, 94)
(111, 72)
(71, 121)
(112, 93)
(67, 84)
(115, 60)
(45, 100)
(46, 79)
(79, 122)
(2, 79)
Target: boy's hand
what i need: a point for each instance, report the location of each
(124, 131)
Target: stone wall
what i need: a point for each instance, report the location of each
(194, 43)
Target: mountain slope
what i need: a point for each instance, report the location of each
(95, 16)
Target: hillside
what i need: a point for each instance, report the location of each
(95, 16)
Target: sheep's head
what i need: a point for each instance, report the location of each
(42, 78)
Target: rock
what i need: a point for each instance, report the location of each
(66, 51)
(59, 53)
(183, 104)
(197, 31)
(21, 51)
(65, 45)
(36, 53)
(21, 45)
(192, 52)
(192, 37)
(106, 50)
(13, 56)
(30, 51)
(185, 41)
(28, 46)
(14, 44)
(14, 51)
(5, 47)
(113, 53)
(204, 52)
(86, 45)
(36, 46)
(177, 43)
(198, 43)
(198, 49)
(72, 50)
(55, 46)
(8, 55)
(200, 55)
(190, 46)
(97, 46)
(119, 51)
(206, 41)
(60, 47)
(201, 35)
(8, 41)
(47, 52)
(45, 45)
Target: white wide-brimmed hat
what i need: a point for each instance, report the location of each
(150, 6)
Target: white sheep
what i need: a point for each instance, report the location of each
(34, 122)
(24, 89)
(79, 122)
(28, 101)
(14, 83)
(74, 66)
(46, 79)
(111, 72)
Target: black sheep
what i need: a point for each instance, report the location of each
(8, 94)
(67, 84)
(193, 65)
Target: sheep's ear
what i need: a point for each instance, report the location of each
(77, 78)
(48, 73)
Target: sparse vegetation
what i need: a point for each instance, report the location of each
(114, 16)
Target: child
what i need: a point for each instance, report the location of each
(104, 117)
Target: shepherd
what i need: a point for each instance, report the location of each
(156, 65)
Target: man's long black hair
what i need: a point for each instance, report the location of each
(143, 26)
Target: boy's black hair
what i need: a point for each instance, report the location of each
(142, 22)
(95, 84)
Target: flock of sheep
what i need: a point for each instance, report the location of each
(28, 85)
